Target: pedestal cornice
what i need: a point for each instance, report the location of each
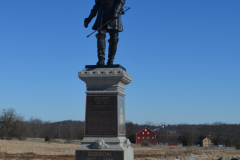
(105, 80)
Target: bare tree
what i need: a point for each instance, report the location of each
(162, 136)
(51, 130)
(69, 132)
(12, 124)
(79, 130)
(35, 127)
(131, 130)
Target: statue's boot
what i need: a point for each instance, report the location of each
(101, 45)
(112, 50)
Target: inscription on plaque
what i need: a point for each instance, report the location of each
(99, 155)
(101, 115)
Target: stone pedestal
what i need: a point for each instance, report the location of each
(104, 133)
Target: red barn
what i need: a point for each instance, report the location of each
(146, 134)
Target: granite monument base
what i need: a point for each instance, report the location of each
(105, 148)
(105, 131)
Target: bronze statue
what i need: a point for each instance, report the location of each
(108, 21)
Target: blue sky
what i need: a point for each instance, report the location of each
(183, 56)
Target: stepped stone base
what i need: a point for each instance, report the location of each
(105, 130)
(109, 148)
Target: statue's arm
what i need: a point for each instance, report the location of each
(118, 7)
(92, 14)
(94, 10)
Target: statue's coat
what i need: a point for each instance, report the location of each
(105, 10)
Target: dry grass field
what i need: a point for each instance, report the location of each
(182, 153)
(37, 149)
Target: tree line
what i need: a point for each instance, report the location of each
(190, 134)
(13, 125)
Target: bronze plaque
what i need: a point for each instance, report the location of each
(101, 115)
(99, 155)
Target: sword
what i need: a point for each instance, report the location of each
(121, 13)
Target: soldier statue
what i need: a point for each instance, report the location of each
(106, 10)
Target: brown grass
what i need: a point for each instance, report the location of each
(38, 149)
(31, 156)
(183, 153)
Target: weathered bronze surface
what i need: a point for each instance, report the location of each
(106, 10)
(99, 155)
(101, 115)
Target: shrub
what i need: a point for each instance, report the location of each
(145, 143)
(47, 138)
